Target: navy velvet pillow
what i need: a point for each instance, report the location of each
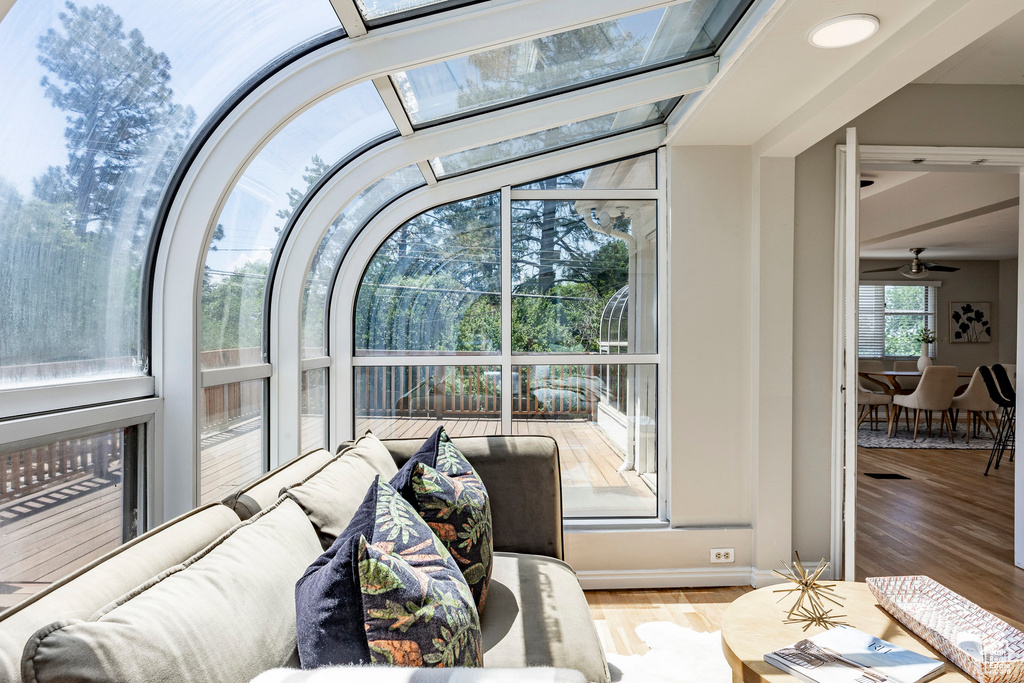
(450, 496)
(386, 592)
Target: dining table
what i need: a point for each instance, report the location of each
(892, 378)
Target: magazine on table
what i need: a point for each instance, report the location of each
(846, 655)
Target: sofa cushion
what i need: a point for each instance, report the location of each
(331, 495)
(377, 674)
(387, 592)
(224, 615)
(537, 615)
(520, 473)
(264, 492)
(80, 594)
(450, 497)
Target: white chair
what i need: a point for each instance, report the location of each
(935, 392)
(869, 402)
(870, 385)
(978, 404)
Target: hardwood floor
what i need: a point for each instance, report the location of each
(618, 613)
(947, 521)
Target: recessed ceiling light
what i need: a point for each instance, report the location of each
(843, 31)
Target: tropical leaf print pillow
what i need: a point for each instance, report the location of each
(450, 496)
(387, 592)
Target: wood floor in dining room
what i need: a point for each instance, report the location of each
(947, 521)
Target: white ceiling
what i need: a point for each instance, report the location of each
(962, 216)
(995, 59)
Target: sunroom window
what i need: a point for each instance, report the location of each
(526, 358)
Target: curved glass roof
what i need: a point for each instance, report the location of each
(323, 268)
(551, 139)
(254, 218)
(104, 101)
(486, 80)
(100, 103)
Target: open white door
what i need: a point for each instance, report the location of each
(844, 415)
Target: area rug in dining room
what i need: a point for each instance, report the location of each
(678, 655)
(868, 438)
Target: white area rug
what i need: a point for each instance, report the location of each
(678, 655)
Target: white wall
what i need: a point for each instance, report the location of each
(976, 281)
(1007, 322)
(941, 115)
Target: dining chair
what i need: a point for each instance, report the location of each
(907, 384)
(978, 404)
(1008, 405)
(869, 402)
(934, 392)
(870, 385)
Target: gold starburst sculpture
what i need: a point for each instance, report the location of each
(809, 608)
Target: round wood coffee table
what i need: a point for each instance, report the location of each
(752, 625)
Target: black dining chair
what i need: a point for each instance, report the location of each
(996, 380)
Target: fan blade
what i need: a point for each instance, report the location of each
(940, 269)
(882, 270)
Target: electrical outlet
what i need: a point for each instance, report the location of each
(723, 555)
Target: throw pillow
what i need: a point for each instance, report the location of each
(450, 496)
(386, 592)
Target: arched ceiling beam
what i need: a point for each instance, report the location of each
(206, 185)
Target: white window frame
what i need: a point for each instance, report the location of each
(932, 325)
(365, 246)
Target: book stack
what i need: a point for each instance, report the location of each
(846, 655)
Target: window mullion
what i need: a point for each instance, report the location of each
(506, 310)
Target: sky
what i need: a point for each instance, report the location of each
(212, 47)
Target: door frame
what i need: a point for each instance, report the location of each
(896, 158)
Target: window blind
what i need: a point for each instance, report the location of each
(910, 307)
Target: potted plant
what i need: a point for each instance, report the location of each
(925, 337)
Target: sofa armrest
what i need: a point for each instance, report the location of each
(386, 674)
(523, 480)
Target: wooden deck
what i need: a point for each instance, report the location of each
(591, 483)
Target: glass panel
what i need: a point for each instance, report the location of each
(333, 246)
(638, 173)
(575, 58)
(604, 418)
(255, 214)
(100, 102)
(569, 259)
(435, 285)
(551, 139)
(411, 401)
(231, 451)
(381, 12)
(904, 298)
(900, 331)
(314, 410)
(63, 504)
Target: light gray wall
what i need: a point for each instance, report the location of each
(976, 281)
(942, 115)
(1007, 311)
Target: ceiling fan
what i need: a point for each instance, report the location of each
(917, 268)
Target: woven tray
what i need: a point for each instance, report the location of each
(940, 616)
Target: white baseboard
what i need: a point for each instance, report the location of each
(664, 578)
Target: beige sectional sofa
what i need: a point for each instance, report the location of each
(209, 596)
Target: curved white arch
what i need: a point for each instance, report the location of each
(178, 269)
(366, 244)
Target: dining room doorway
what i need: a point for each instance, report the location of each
(959, 209)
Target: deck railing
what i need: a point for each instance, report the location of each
(555, 391)
(29, 470)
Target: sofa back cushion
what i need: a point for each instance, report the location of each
(520, 473)
(223, 616)
(264, 492)
(331, 495)
(80, 594)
